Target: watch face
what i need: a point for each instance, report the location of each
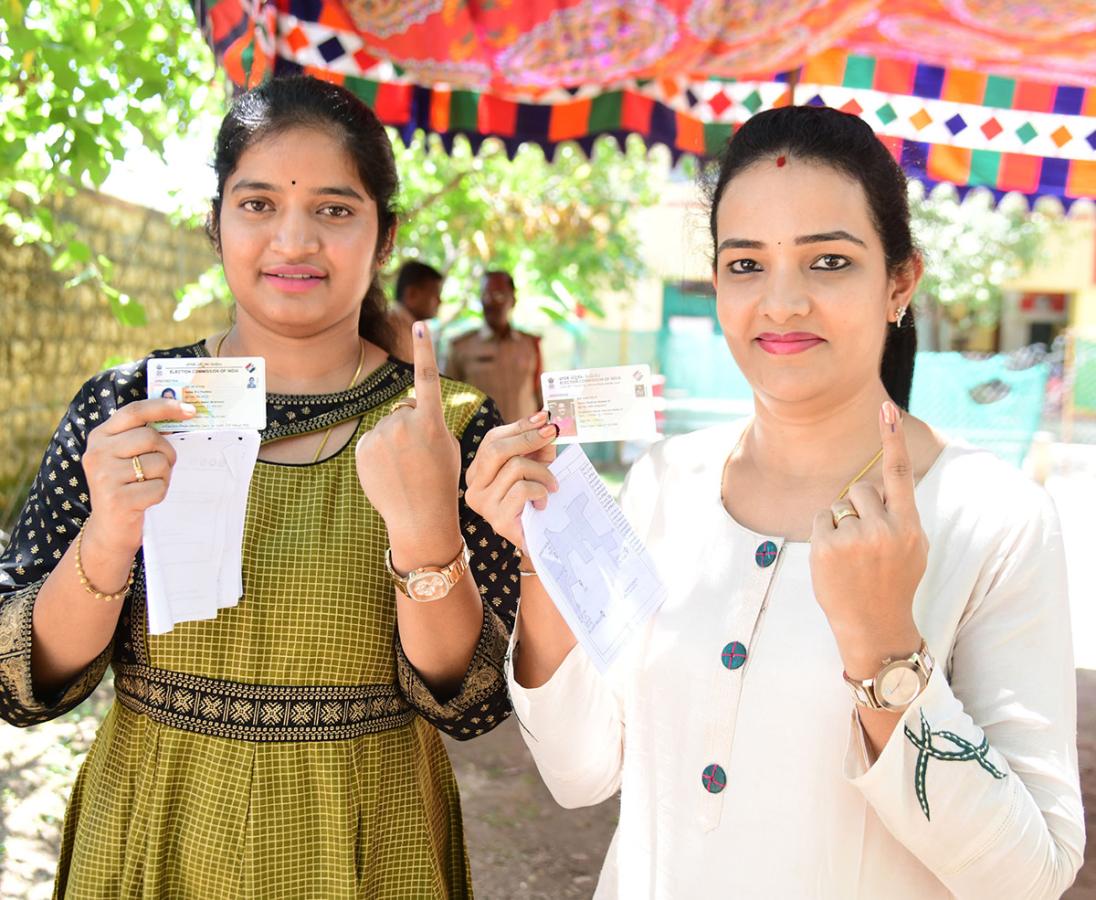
(898, 686)
(427, 586)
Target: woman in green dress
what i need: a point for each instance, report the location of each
(289, 747)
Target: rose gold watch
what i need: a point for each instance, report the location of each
(897, 684)
(429, 583)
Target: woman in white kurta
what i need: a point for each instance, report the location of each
(846, 695)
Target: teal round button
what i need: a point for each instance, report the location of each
(765, 555)
(713, 778)
(734, 655)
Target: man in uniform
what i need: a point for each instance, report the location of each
(501, 361)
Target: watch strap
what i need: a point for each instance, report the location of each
(864, 691)
(451, 572)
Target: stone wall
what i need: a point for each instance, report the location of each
(53, 338)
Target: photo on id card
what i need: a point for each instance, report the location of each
(614, 403)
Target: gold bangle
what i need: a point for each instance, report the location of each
(521, 558)
(92, 589)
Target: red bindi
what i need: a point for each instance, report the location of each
(780, 160)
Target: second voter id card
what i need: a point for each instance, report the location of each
(607, 404)
(226, 392)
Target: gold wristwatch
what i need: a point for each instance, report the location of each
(897, 684)
(429, 583)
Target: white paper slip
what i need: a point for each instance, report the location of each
(594, 567)
(609, 404)
(193, 538)
(226, 392)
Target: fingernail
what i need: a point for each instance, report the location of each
(187, 408)
(548, 430)
(539, 417)
(420, 329)
(890, 416)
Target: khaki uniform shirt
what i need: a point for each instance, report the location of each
(506, 369)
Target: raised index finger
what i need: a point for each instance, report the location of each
(427, 379)
(897, 468)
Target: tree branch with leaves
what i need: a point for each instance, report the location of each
(87, 81)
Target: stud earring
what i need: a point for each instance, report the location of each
(900, 316)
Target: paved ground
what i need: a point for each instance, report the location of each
(523, 846)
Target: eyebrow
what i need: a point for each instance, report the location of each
(820, 238)
(824, 236)
(337, 190)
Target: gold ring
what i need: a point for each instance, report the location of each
(844, 514)
(406, 402)
(138, 469)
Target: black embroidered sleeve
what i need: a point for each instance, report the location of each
(482, 702)
(54, 512)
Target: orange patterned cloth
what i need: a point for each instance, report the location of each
(974, 92)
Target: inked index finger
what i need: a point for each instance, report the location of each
(898, 487)
(145, 412)
(427, 378)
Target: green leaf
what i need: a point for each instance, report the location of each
(126, 310)
(79, 251)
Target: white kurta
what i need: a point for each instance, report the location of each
(802, 813)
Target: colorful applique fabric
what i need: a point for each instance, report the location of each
(970, 92)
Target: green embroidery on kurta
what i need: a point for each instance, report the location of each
(925, 749)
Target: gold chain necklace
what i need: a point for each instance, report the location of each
(864, 471)
(738, 445)
(353, 381)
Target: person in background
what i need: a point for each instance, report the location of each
(418, 296)
(501, 361)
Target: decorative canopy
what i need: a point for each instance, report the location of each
(993, 93)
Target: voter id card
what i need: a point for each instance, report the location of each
(608, 404)
(227, 392)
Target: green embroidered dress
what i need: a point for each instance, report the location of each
(285, 749)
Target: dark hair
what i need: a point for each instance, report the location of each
(500, 273)
(846, 143)
(302, 102)
(415, 273)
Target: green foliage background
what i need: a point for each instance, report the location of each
(972, 250)
(564, 228)
(83, 81)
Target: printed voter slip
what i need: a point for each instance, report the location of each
(608, 404)
(592, 564)
(226, 392)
